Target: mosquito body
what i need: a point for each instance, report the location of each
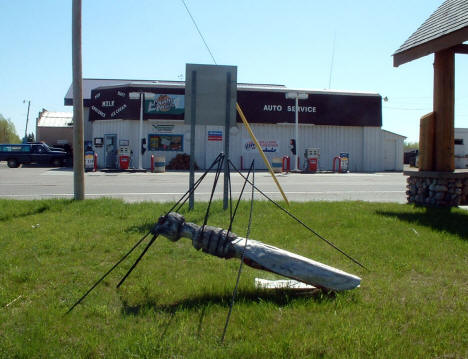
(224, 244)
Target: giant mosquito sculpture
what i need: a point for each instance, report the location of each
(225, 244)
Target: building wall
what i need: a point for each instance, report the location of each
(125, 130)
(370, 148)
(87, 125)
(372, 158)
(461, 148)
(52, 135)
(331, 140)
(392, 151)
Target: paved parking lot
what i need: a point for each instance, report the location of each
(36, 183)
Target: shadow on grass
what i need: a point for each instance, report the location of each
(280, 298)
(200, 321)
(28, 212)
(32, 208)
(142, 228)
(439, 219)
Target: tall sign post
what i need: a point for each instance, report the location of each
(211, 96)
(140, 132)
(296, 96)
(78, 133)
(193, 121)
(227, 126)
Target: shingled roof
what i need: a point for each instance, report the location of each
(445, 28)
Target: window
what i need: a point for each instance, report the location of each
(165, 142)
(15, 148)
(38, 149)
(98, 141)
(459, 141)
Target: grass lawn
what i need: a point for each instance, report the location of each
(413, 303)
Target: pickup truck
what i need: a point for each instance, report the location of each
(39, 153)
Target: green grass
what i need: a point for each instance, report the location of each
(412, 304)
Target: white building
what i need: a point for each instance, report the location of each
(333, 121)
(461, 148)
(55, 128)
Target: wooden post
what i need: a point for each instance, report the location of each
(78, 139)
(444, 107)
(426, 143)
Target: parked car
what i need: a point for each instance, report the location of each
(411, 158)
(40, 153)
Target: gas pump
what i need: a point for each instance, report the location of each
(124, 155)
(88, 156)
(344, 161)
(311, 156)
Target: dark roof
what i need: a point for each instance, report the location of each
(445, 28)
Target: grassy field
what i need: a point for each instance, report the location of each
(413, 303)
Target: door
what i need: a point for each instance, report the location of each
(39, 154)
(110, 148)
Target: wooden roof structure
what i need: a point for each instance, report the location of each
(444, 33)
(446, 28)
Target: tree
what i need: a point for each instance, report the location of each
(411, 146)
(8, 131)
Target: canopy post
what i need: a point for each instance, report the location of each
(444, 108)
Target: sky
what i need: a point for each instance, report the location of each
(336, 44)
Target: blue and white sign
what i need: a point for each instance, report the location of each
(268, 146)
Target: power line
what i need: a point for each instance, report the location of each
(199, 32)
(406, 108)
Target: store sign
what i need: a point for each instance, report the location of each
(215, 136)
(280, 108)
(318, 109)
(109, 104)
(163, 127)
(164, 104)
(269, 146)
(267, 107)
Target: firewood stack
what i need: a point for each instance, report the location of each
(180, 162)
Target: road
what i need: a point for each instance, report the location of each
(38, 183)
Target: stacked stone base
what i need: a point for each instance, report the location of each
(437, 189)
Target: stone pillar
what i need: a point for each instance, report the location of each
(437, 189)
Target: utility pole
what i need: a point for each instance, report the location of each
(78, 137)
(27, 120)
